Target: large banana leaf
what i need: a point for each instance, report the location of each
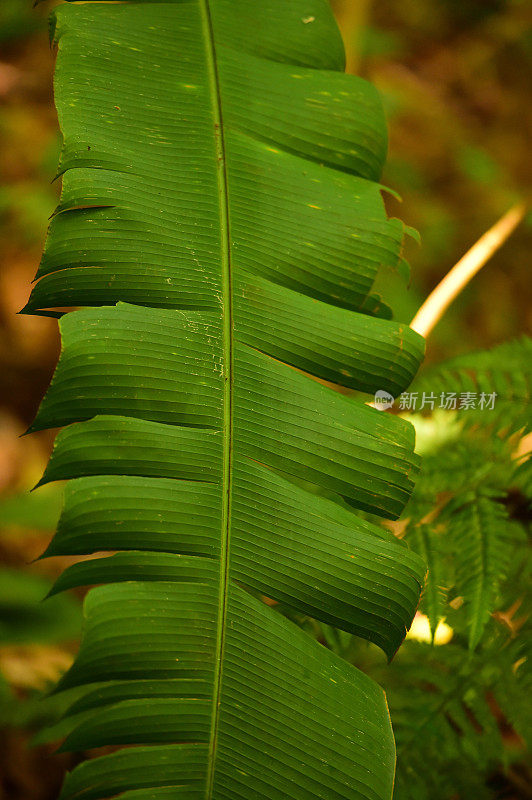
(221, 215)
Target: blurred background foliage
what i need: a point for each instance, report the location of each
(455, 79)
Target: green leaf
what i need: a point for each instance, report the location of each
(222, 215)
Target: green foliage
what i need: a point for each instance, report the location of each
(35, 511)
(468, 480)
(460, 711)
(16, 20)
(505, 370)
(452, 716)
(478, 529)
(30, 627)
(222, 214)
(460, 718)
(25, 619)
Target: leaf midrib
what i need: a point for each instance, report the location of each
(227, 304)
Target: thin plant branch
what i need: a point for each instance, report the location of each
(459, 276)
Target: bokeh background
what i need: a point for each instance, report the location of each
(455, 77)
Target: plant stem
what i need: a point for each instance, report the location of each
(459, 276)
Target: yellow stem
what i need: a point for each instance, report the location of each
(459, 276)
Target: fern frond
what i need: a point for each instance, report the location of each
(504, 370)
(449, 717)
(477, 530)
(459, 467)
